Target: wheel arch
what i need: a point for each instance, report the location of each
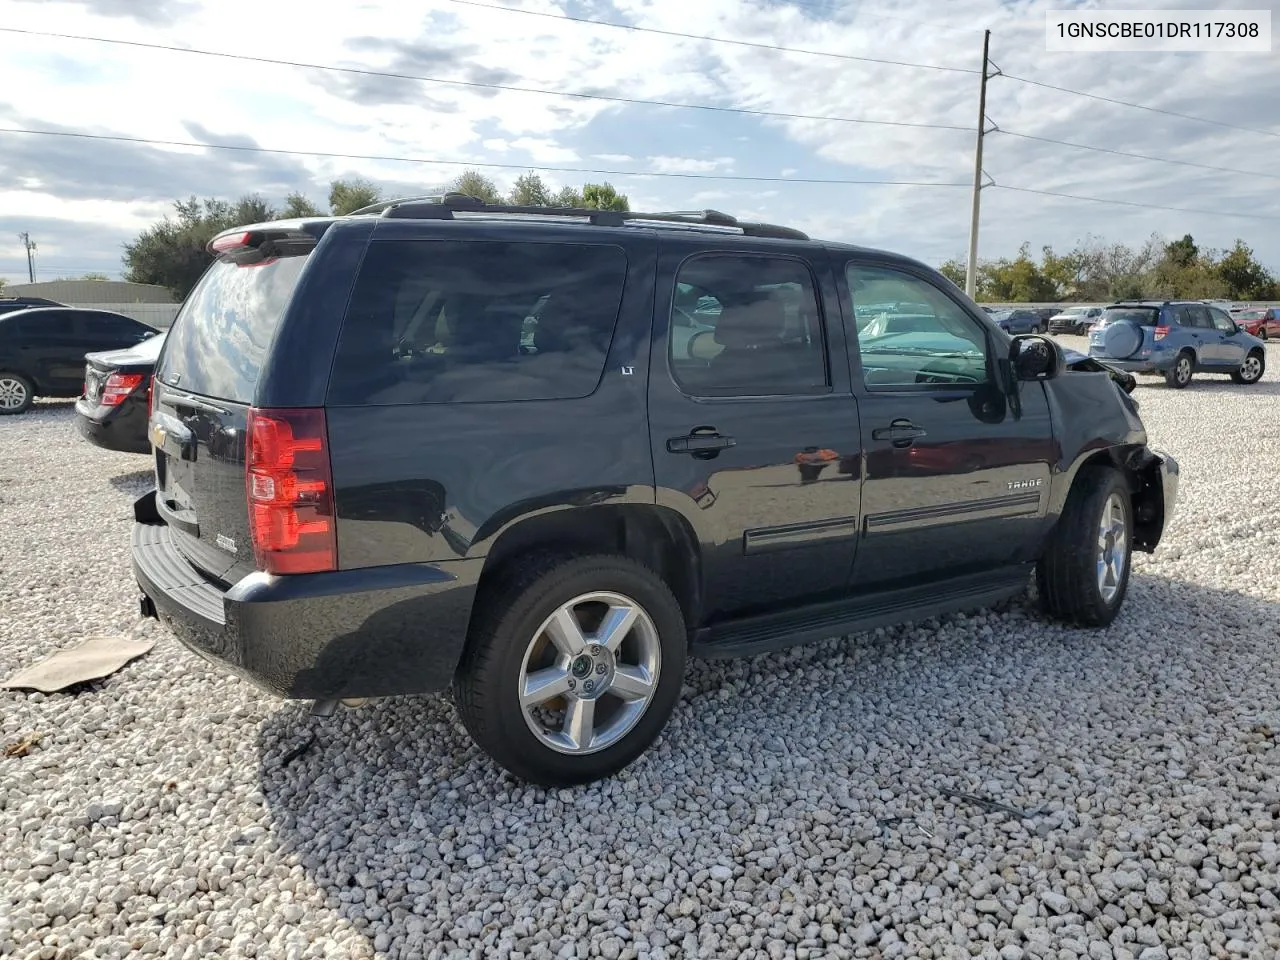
(658, 537)
(1141, 470)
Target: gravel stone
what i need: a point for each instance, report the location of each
(794, 807)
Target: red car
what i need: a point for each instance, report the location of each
(1259, 321)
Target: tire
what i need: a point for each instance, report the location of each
(16, 393)
(1035, 329)
(1179, 375)
(1071, 582)
(1262, 333)
(1251, 371)
(511, 638)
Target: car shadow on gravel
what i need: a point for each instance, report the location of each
(402, 822)
(135, 482)
(1201, 385)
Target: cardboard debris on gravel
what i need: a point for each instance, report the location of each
(94, 659)
(22, 746)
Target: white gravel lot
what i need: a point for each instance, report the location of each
(799, 804)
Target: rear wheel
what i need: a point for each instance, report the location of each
(1084, 575)
(1251, 371)
(573, 666)
(1035, 328)
(1179, 375)
(16, 393)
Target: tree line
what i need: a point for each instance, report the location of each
(173, 253)
(1097, 271)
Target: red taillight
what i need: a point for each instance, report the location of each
(119, 386)
(290, 491)
(1161, 332)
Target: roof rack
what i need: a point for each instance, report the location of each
(443, 206)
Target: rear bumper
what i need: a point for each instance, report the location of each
(375, 632)
(122, 428)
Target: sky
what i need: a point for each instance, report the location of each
(82, 199)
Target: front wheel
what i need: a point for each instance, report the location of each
(1262, 333)
(1179, 375)
(1084, 575)
(1251, 371)
(573, 666)
(16, 393)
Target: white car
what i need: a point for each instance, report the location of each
(1077, 319)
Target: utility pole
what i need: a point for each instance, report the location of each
(31, 250)
(971, 267)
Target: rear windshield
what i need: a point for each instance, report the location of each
(1143, 316)
(218, 341)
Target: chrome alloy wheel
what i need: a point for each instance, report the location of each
(13, 393)
(1113, 547)
(589, 673)
(1250, 370)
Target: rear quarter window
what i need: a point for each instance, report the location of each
(219, 339)
(437, 321)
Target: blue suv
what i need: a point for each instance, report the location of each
(1176, 338)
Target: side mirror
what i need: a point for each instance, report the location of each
(1033, 357)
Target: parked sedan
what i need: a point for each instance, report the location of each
(114, 408)
(1263, 323)
(42, 350)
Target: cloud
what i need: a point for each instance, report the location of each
(76, 86)
(689, 164)
(145, 11)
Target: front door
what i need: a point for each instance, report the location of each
(954, 481)
(753, 427)
(1230, 349)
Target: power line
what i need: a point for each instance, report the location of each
(1139, 106)
(510, 88)
(471, 163)
(831, 7)
(709, 39)
(1131, 203)
(1138, 156)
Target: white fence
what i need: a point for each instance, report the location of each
(154, 314)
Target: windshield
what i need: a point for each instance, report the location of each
(1251, 314)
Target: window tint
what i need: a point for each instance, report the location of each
(219, 339)
(744, 326)
(1143, 316)
(910, 332)
(434, 321)
(1200, 317)
(1222, 320)
(53, 325)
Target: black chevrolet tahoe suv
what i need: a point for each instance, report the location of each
(542, 456)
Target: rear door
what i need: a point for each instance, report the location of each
(205, 384)
(1198, 330)
(53, 344)
(753, 428)
(953, 482)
